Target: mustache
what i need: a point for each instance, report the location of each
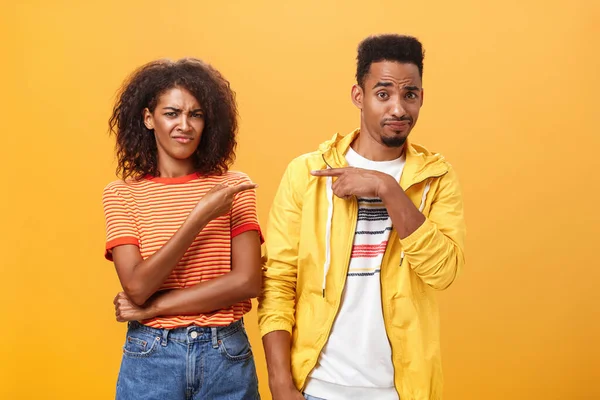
(404, 118)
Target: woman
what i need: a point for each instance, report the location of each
(183, 234)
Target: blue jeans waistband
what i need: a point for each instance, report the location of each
(190, 333)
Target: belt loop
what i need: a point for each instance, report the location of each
(165, 336)
(213, 332)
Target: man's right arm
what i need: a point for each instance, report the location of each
(277, 346)
(277, 303)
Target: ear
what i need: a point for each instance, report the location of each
(422, 96)
(357, 95)
(148, 119)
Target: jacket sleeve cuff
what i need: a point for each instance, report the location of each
(416, 240)
(275, 326)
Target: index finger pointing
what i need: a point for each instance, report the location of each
(328, 172)
(243, 187)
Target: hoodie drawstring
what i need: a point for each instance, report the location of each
(329, 186)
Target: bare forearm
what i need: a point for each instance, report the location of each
(148, 275)
(208, 296)
(406, 218)
(277, 345)
(243, 282)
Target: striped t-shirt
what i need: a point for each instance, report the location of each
(356, 362)
(148, 212)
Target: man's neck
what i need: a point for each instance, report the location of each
(372, 150)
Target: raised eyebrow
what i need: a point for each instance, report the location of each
(383, 84)
(412, 88)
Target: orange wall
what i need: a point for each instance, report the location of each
(512, 98)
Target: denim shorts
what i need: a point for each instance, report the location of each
(187, 363)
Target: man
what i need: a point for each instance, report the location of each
(361, 234)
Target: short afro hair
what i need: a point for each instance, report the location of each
(390, 47)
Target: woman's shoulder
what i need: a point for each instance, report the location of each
(235, 177)
(121, 186)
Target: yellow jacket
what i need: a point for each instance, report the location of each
(305, 273)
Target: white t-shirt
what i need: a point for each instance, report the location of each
(356, 361)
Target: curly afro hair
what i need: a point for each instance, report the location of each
(137, 155)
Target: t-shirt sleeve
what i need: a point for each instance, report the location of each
(243, 213)
(120, 224)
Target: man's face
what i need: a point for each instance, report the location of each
(390, 100)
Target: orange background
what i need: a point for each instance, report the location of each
(512, 97)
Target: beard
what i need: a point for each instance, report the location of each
(394, 141)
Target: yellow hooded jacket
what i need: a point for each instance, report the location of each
(309, 241)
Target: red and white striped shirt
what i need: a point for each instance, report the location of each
(148, 212)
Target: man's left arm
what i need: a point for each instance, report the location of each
(434, 245)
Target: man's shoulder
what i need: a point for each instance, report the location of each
(424, 151)
(306, 161)
(425, 157)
